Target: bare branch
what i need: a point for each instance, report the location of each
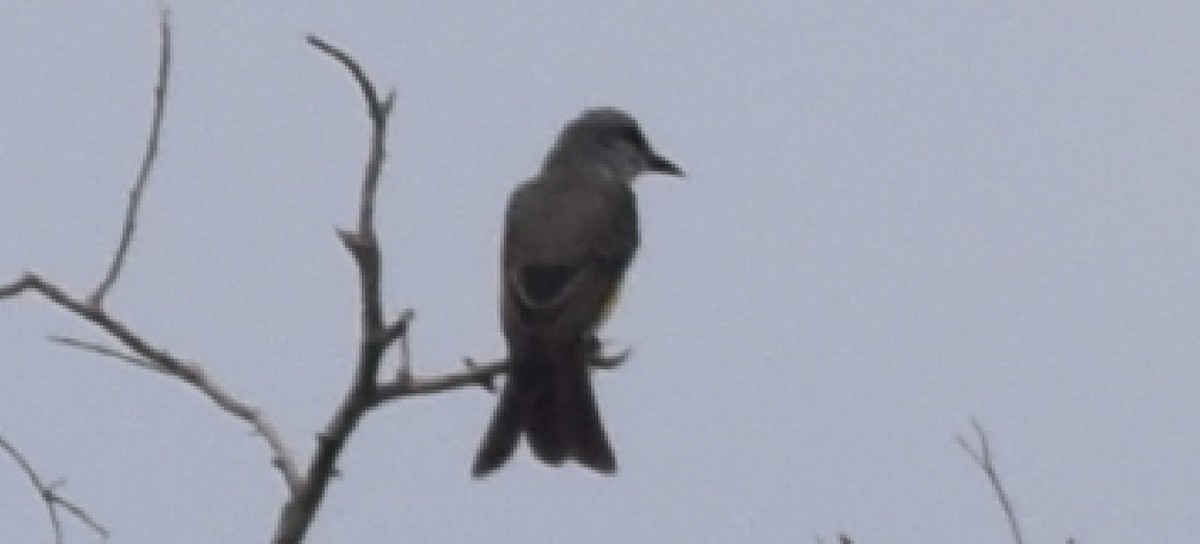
(398, 332)
(160, 360)
(50, 496)
(144, 355)
(17, 287)
(983, 458)
(299, 511)
(475, 374)
(366, 391)
(43, 491)
(399, 329)
(378, 111)
(106, 351)
(139, 187)
(487, 382)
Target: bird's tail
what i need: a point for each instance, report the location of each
(550, 399)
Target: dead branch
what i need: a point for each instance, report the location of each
(366, 389)
(50, 496)
(106, 351)
(983, 458)
(162, 361)
(139, 187)
(473, 374)
(145, 355)
(300, 509)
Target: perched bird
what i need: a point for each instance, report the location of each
(569, 235)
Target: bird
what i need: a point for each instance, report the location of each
(570, 234)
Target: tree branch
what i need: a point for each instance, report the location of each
(300, 509)
(160, 360)
(50, 496)
(474, 374)
(135, 194)
(983, 458)
(378, 111)
(105, 351)
(145, 355)
(366, 391)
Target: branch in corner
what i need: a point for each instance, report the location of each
(50, 496)
(143, 353)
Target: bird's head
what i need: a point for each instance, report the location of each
(609, 138)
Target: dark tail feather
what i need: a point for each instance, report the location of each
(552, 403)
(501, 438)
(579, 420)
(541, 425)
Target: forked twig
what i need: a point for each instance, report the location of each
(366, 389)
(144, 354)
(983, 458)
(50, 496)
(300, 509)
(162, 361)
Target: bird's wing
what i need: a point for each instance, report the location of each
(565, 252)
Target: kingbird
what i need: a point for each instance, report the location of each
(569, 235)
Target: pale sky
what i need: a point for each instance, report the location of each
(898, 216)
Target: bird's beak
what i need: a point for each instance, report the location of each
(664, 166)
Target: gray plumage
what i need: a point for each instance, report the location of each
(570, 234)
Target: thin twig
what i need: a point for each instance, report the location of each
(983, 458)
(298, 513)
(399, 329)
(139, 187)
(43, 491)
(404, 372)
(397, 332)
(189, 372)
(145, 355)
(106, 351)
(366, 391)
(475, 374)
(378, 111)
(49, 496)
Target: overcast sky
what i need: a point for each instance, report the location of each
(898, 216)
